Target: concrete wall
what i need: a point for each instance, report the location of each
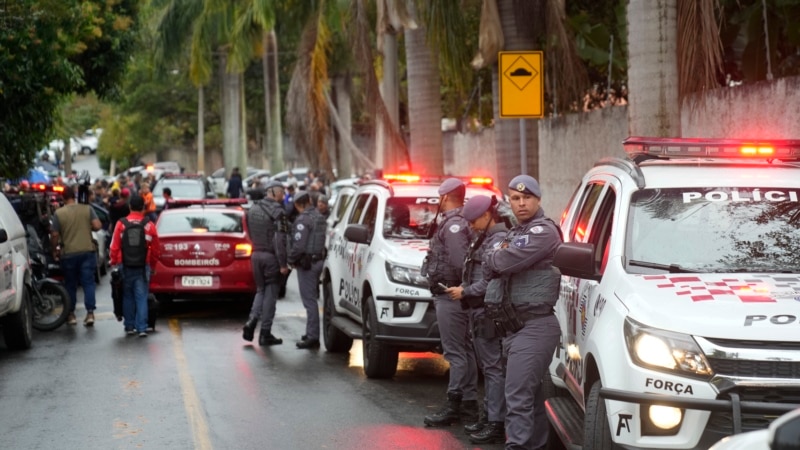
(570, 145)
(766, 110)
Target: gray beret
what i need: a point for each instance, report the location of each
(449, 185)
(273, 184)
(526, 184)
(476, 206)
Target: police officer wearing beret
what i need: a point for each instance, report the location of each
(444, 263)
(266, 221)
(307, 253)
(480, 212)
(527, 283)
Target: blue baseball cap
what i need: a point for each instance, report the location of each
(525, 184)
(449, 185)
(476, 206)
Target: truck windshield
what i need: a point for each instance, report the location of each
(724, 230)
(408, 217)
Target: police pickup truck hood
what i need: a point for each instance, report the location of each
(741, 306)
(408, 252)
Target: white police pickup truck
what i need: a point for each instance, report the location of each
(680, 295)
(16, 310)
(371, 283)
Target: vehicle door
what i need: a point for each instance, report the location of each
(345, 270)
(7, 272)
(580, 299)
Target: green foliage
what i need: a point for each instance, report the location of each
(744, 39)
(48, 50)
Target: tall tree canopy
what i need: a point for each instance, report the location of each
(51, 48)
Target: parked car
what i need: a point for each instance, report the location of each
(678, 296)
(16, 311)
(219, 182)
(783, 434)
(371, 282)
(183, 187)
(299, 173)
(87, 143)
(205, 252)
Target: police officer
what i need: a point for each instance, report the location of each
(307, 254)
(268, 227)
(444, 264)
(525, 313)
(480, 212)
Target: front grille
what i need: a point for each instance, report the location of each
(722, 422)
(759, 345)
(758, 369)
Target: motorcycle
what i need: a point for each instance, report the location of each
(50, 298)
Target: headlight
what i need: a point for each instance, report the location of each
(665, 351)
(405, 275)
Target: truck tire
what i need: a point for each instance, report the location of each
(18, 327)
(335, 340)
(597, 435)
(380, 360)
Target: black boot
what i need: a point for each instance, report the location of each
(266, 338)
(447, 415)
(469, 411)
(493, 433)
(471, 428)
(249, 329)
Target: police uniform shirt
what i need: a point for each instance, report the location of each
(455, 237)
(477, 281)
(259, 217)
(302, 231)
(529, 243)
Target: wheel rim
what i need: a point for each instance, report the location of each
(46, 309)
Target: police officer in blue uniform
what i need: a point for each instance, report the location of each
(481, 213)
(443, 267)
(520, 300)
(266, 221)
(307, 254)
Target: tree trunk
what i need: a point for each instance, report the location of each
(231, 116)
(653, 106)
(344, 161)
(244, 153)
(201, 127)
(267, 113)
(385, 155)
(275, 131)
(424, 104)
(507, 131)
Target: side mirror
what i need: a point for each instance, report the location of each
(576, 259)
(785, 432)
(3, 236)
(357, 233)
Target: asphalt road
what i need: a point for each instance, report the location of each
(195, 384)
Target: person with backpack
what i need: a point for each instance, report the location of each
(134, 247)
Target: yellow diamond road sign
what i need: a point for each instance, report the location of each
(521, 84)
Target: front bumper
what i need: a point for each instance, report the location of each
(420, 335)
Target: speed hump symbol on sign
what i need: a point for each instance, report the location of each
(521, 84)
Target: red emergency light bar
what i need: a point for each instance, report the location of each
(411, 178)
(45, 188)
(769, 149)
(182, 203)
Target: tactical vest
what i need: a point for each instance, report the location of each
(315, 246)
(537, 285)
(264, 219)
(439, 268)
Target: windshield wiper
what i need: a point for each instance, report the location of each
(671, 268)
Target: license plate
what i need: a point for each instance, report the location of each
(196, 281)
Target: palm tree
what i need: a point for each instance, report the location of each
(224, 29)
